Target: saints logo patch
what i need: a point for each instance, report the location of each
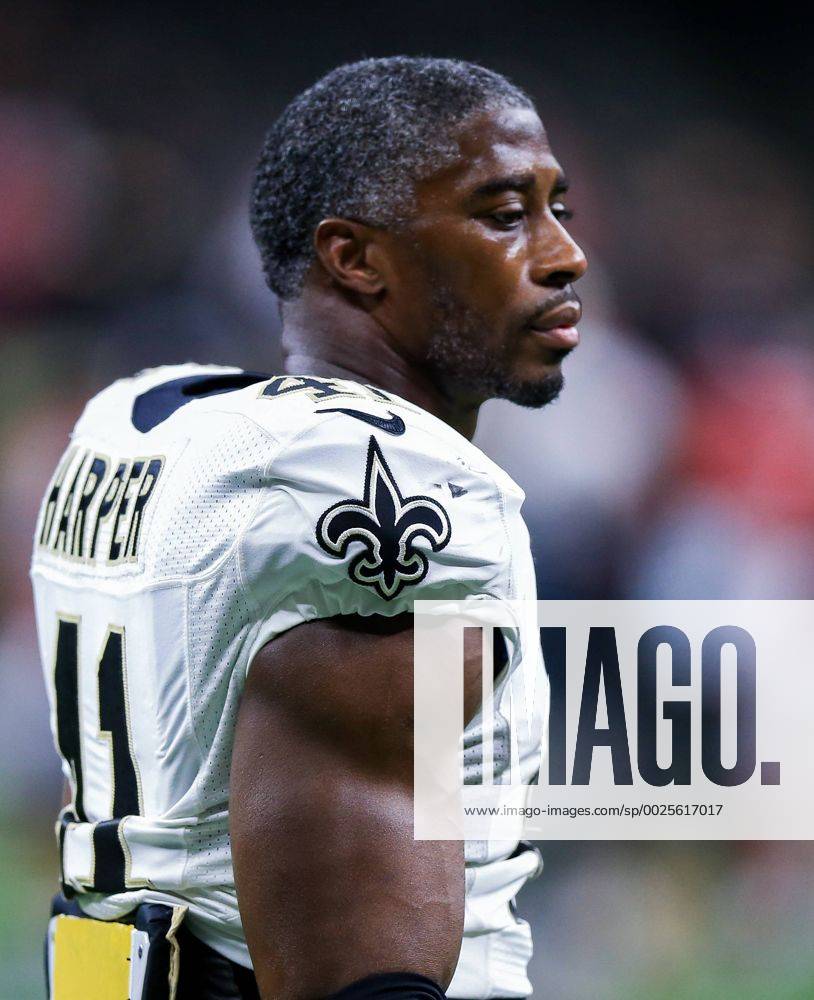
(387, 525)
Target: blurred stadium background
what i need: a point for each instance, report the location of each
(679, 462)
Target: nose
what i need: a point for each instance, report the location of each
(558, 260)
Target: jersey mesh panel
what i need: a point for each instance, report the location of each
(209, 497)
(218, 621)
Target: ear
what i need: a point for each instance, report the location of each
(344, 250)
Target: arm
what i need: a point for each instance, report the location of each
(331, 885)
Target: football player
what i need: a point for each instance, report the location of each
(225, 566)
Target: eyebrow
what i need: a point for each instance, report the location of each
(517, 182)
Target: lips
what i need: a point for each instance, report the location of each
(565, 315)
(557, 327)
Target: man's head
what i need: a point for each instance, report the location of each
(424, 192)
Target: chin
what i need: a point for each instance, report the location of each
(533, 392)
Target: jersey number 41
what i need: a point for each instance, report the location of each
(109, 874)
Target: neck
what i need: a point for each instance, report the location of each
(326, 336)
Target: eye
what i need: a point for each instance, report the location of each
(508, 218)
(561, 212)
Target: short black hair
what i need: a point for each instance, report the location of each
(354, 144)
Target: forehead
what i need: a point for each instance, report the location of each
(491, 144)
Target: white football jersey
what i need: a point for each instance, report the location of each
(199, 512)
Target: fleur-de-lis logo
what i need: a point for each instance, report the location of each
(387, 524)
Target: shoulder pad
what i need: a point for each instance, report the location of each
(361, 519)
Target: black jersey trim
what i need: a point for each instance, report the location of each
(155, 405)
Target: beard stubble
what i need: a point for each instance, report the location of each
(460, 353)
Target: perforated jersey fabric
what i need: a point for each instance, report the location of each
(254, 521)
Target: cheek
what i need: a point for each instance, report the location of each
(485, 270)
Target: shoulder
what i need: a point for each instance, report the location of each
(370, 503)
(177, 400)
(300, 410)
(334, 418)
(340, 497)
(304, 418)
(354, 441)
(137, 404)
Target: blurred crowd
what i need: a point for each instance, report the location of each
(679, 461)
